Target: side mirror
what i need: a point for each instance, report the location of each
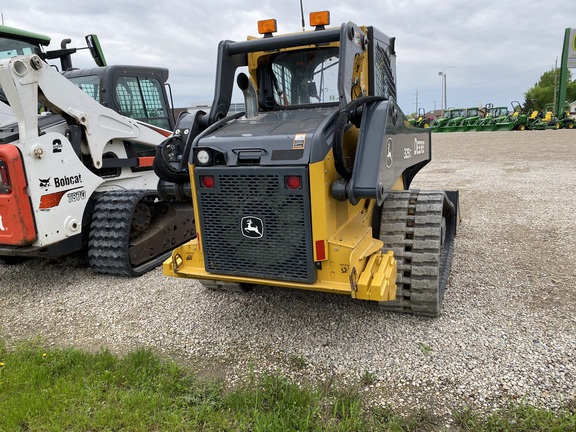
(95, 49)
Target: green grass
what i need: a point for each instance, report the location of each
(71, 390)
(519, 418)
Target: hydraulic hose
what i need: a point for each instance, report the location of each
(348, 113)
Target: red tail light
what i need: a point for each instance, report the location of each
(294, 182)
(207, 181)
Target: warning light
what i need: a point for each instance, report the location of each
(268, 26)
(207, 181)
(319, 19)
(294, 182)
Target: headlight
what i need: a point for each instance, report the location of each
(203, 157)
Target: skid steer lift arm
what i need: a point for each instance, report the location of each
(27, 80)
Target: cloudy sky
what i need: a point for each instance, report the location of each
(492, 51)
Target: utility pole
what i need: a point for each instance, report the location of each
(417, 94)
(443, 75)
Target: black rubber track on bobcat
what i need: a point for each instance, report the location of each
(109, 239)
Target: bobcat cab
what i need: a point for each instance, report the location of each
(309, 187)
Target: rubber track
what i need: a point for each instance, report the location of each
(411, 226)
(109, 238)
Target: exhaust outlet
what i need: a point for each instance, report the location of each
(249, 91)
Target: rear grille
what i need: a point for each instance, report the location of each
(252, 225)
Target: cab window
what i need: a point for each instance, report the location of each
(89, 84)
(141, 99)
(305, 77)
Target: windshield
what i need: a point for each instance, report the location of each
(306, 77)
(498, 112)
(11, 48)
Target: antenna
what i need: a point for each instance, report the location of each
(302, 12)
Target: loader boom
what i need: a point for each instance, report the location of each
(25, 78)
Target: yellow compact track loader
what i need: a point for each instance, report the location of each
(309, 187)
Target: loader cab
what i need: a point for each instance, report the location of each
(325, 67)
(15, 42)
(137, 92)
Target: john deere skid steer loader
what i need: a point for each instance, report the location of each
(309, 188)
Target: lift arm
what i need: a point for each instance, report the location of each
(27, 80)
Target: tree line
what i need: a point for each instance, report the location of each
(546, 88)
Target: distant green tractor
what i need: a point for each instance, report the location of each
(540, 118)
(458, 120)
(493, 117)
(470, 121)
(421, 120)
(516, 120)
(441, 124)
(563, 120)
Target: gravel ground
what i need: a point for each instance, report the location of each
(507, 332)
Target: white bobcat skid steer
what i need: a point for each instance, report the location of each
(80, 176)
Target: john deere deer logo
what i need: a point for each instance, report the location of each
(389, 153)
(252, 227)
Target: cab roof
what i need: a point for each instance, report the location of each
(23, 35)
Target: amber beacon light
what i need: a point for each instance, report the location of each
(267, 26)
(321, 18)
